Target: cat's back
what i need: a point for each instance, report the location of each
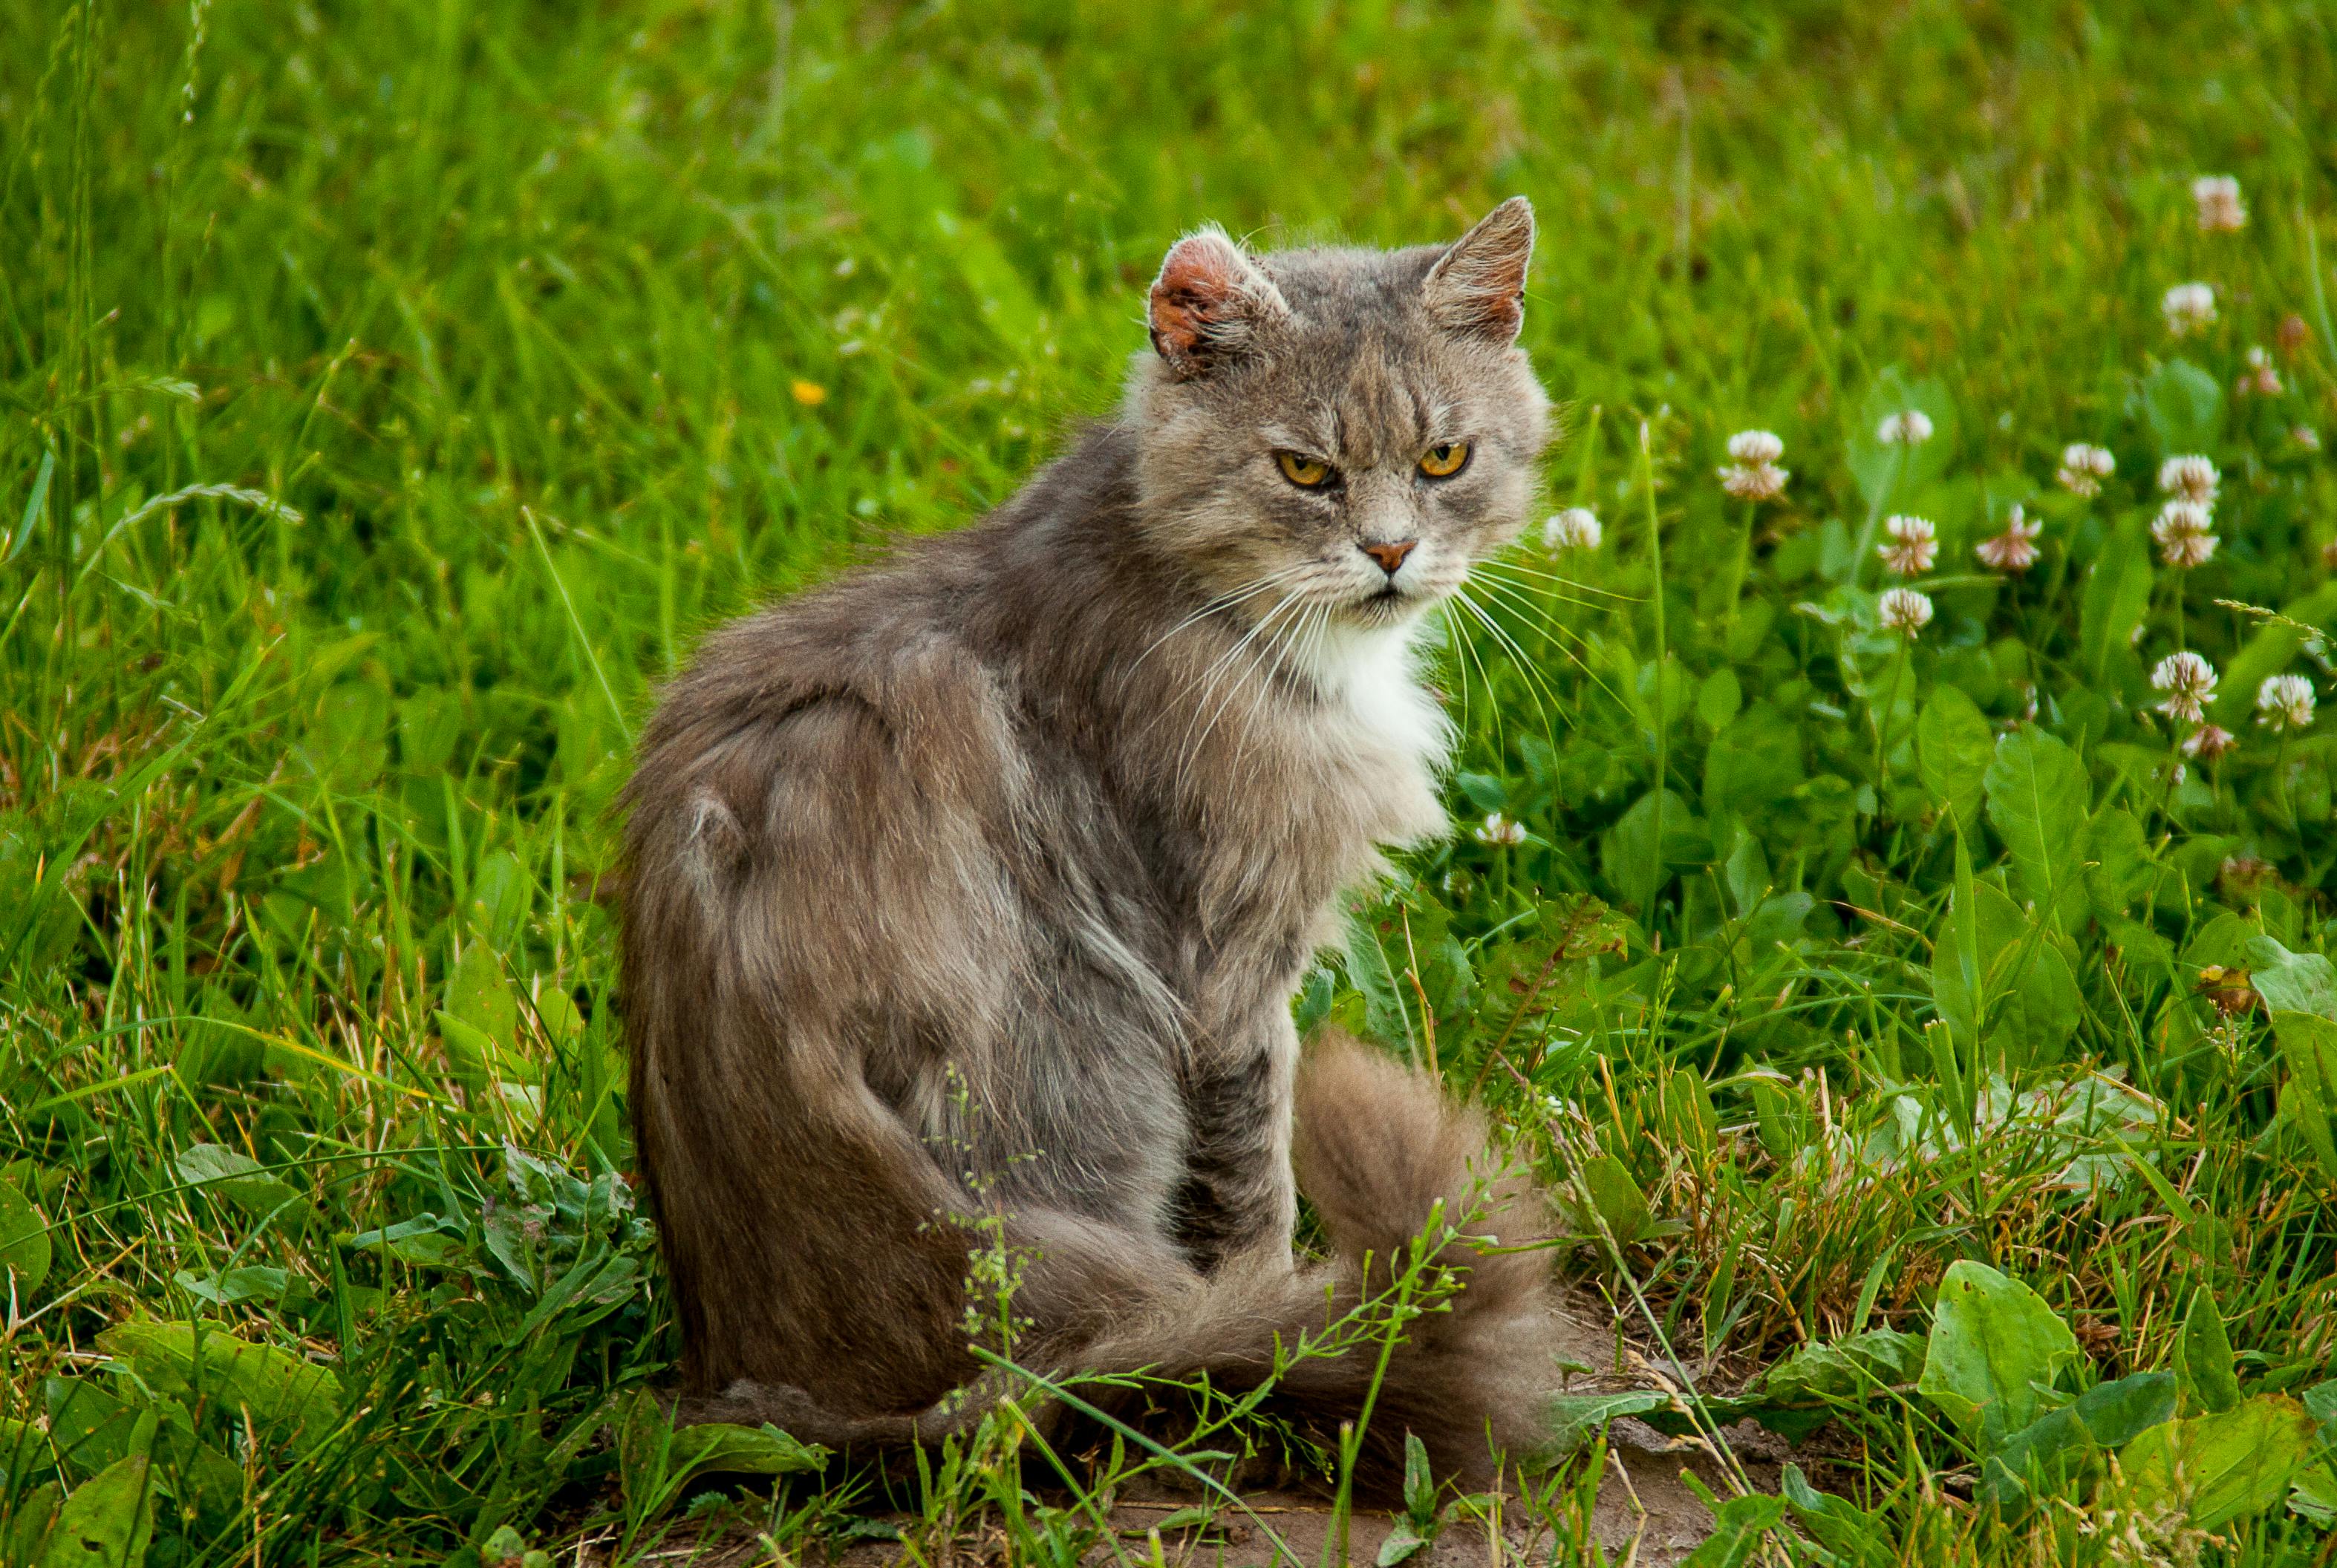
(901, 678)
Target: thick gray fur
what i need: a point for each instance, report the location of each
(978, 884)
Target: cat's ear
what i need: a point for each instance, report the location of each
(1477, 286)
(1208, 303)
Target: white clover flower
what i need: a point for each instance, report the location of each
(1908, 427)
(1755, 446)
(1753, 481)
(2217, 198)
(2083, 468)
(1576, 528)
(1914, 545)
(2188, 681)
(2182, 531)
(2306, 438)
(1500, 832)
(1904, 611)
(2208, 743)
(2189, 307)
(2191, 477)
(2260, 379)
(2014, 549)
(2284, 701)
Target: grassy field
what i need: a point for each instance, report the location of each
(394, 391)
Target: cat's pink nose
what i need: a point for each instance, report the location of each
(1391, 556)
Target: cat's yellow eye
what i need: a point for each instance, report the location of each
(1444, 460)
(1306, 472)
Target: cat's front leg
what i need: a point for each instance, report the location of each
(1238, 1195)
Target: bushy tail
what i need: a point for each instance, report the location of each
(1415, 1200)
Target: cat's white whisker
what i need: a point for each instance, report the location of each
(1223, 602)
(1536, 686)
(1215, 675)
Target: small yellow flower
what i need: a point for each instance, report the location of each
(810, 393)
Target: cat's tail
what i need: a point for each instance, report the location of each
(1428, 1319)
(1417, 1201)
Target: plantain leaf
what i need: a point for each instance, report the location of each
(24, 1250)
(1575, 1418)
(2223, 1465)
(2203, 1355)
(1954, 747)
(107, 1520)
(2037, 795)
(287, 1400)
(1995, 1349)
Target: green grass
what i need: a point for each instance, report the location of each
(393, 393)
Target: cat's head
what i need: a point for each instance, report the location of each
(1337, 436)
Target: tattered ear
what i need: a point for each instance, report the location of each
(1477, 286)
(1208, 303)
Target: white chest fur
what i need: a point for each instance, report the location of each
(1381, 733)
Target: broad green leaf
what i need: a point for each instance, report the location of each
(1753, 764)
(2039, 1006)
(1385, 1014)
(473, 1057)
(2313, 1493)
(1403, 1542)
(2292, 982)
(1738, 1528)
(2064, 1446)
(253, 1282)
(2183, 406)
(1781, 1119)
(2042, 1458)
(421, 1241)
(22, 1536)
(2220, 1466)
(1418, 1481)
(246, 1183)
(2117, 597)
(1804, 1391)
(1954, 746)
(2117, 857)
(1848, 1368)
(2037, 800)
(556, 1010)
(288, 1401)
(478, 994)
(1415, 1527)
(106, 1521)
(1617, 1198)
(2203, 1355)
(1836, 1524)
(2308, 1047)
(24, 1453)
(89, 1426)
(1719, 697)
(2033, 1006)
(1690, 1119)
(1575, 1418)
(655, 1457)
(1635, 864)
(500, 894)
(2120, 1411)
(24, 1250)
(1995, 1345)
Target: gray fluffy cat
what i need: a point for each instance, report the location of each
(979, 885)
